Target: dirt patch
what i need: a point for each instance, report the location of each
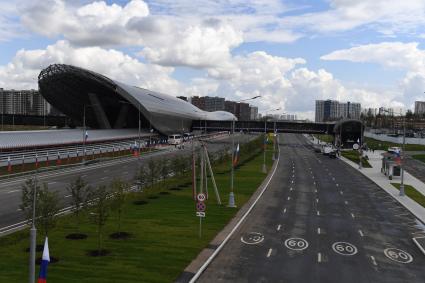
(38, 248)
(96, 253)
(164, 193)
(120, 235)
(76, 236)
(140, 202)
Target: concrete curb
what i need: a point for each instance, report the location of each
(205, 257)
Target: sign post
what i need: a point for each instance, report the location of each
(200, 209)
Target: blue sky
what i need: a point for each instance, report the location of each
(289, 52)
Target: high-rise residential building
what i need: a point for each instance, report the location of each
(254, 112)
(184, 98)
(288, 117)
(243, 111)
(326, 110)
(208, 103)
(420, 107)
(230, 106)
(331, 110)
(23, 102)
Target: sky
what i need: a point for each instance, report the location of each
(288, 52)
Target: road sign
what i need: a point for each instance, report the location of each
(355, 146)
(200, 214)
(201, 197)
(201, 206)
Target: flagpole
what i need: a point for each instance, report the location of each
(33, 234)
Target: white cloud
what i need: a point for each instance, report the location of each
(388, 54)
(23, 70)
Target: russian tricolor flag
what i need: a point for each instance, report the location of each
(42, 276)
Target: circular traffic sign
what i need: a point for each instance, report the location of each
(356, 146)
(297, 244)
(201, 197)
(344, 248)
(252, 238)
(200, 206)
(398, 255)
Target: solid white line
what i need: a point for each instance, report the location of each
(318, 230)
(278, 227)
(352, 215)
(269, 253)
(361, 233)
(220, 247)
(319, 257)
(373, 260)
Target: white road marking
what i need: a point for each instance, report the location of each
(352, 215)
(373, 260)
(319, 257)
(317, 200)
(13, 191)
(18, 209)
(104, 178)
(284, 211)
(346, 202)
(67, 196)
(290, 189)
(318, 213)
(292, 181)
(269, 253)
(361, 233)
(341, 192)
(337, 185)
(318, 230)
(315, 190)
(51, 183)
(278, 227)
(289, 198)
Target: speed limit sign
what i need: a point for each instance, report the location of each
(201, 197)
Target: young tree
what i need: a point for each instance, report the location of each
(152, 171)
(164, 171)
(119, 190)
(79, 191)
(27, 198)
(47, 209)
(99, 211)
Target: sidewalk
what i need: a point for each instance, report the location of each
(382, 181)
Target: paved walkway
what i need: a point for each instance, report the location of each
(381, 180)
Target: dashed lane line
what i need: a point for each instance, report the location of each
(319, 257)
(68, 196)
(289, 198)
(346, 202)
(318, 231)
(352, 215)
(373, 260)
(13, 191)
(269, 252)
(284, 211)
(318, 213)
(278, 227)
(361, 233)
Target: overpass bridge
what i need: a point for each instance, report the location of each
(269, 126)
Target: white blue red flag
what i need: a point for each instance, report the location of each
(86, 135)
(9, 165)
(236, 156)
(397, 157)
(42, 276)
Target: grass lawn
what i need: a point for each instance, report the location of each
(383, 145)
(354, 156)
(412, 193)
(164, 234)
(420, 157)
(325, 138)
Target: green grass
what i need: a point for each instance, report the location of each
(383, 145)
(325, 138)
(164, 234)
(420, 157)
(412, 193)
(353, 155)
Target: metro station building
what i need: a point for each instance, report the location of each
(103, 103)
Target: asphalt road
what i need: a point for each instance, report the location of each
(320, 221)
(415, 167)
(10, 191)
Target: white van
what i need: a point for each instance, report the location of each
(175, 139)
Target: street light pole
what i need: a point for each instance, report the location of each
(402, 193)
(264, 167)
(232, 168)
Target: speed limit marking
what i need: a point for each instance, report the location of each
(296, 244)
(252, 238)
(201, 197)
(398, 255)
(344, 248)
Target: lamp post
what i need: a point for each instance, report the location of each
(232, 168)
(264, 168)
(402, 193)
(33, 233)
(139, 127)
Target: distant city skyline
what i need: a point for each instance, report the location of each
(289, 52)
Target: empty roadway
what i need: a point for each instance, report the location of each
(320, 221)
